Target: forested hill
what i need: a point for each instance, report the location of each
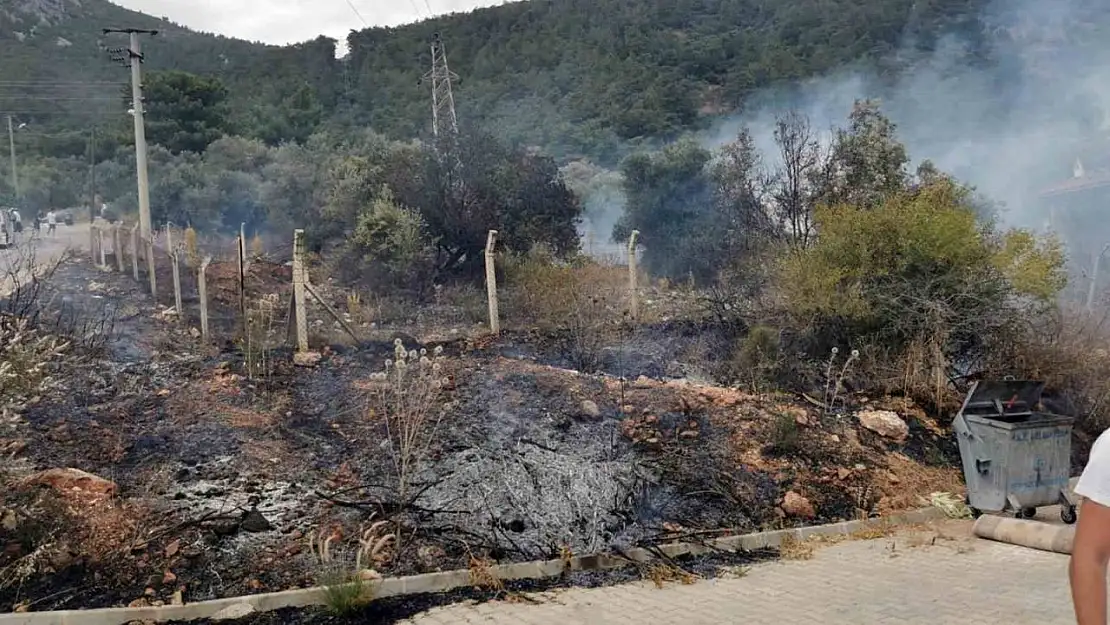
(592, 74)
(61, 42)
(576, 77)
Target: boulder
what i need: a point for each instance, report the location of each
(794, 505)
(884, 423)
(306, 359)
(590, 410)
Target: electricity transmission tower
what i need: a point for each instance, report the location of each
(445, 125)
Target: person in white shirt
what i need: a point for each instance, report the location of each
(51, 222)
(1091, 550)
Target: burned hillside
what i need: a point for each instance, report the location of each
(160, 469)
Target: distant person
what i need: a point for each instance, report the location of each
(17, 221)
(1091, 550)
(51, 222)
(38, 221)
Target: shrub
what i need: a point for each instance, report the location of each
(393, 243)
(584, 298)
(918, 273)
(757, 356)
(785, 436)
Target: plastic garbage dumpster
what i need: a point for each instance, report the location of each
(1015, 458)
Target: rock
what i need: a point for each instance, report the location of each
(884, 423)
(431, 556)
(141, 602)
(168, 578)
(70, 480)
(590, 410)
(795, 505)
(8, 520)
(643, 382)
(253, 521)
(232, 612)
(369, 575)
(843, 473)
(195, 333)
(306, 359)
(177, 598)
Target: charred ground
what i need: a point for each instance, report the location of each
(207, 479)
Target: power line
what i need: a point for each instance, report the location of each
(362, 19)
(51, 83)
(50, 98)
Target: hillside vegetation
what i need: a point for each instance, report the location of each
(573, 76)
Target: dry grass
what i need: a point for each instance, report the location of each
(793, 549)
(482, 576)
(905, 482)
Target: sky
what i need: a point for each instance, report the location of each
(292, 21)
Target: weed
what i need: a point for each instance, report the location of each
(407, 399)
(785, 435)
(348, 589)
(258, 249)
(833, 385)
(793, 548)
(758, 356)
(257, 340)
(482, 576)
(192, 252)
(662, 572)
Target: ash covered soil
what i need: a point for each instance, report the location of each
(158, 471)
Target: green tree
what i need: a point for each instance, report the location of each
(185, 112)
(669, 200)
(292, 120)
(491, 186)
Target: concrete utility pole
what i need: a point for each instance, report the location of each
(133, 57)
(11, 148)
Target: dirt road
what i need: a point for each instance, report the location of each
(36, 252)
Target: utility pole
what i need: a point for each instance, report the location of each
(92, 175)
(15, 170)
(133, 57)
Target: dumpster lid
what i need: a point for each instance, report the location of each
(1003, 399)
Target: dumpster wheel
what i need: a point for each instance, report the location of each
(1068, 515)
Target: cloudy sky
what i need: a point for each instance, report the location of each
(290, 21)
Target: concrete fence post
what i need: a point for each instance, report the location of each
(117, 248)
(299, 280)
(149, 244)
(202, 291)
(634, 297)
(135, 251)
(177, 285)
(491, 283)
(100, 247)
(92, 242)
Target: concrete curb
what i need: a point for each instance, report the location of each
(450, 580)
(1032, 534)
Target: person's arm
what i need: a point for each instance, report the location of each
(1089, 556)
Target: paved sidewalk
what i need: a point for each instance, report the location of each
(932, 577)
